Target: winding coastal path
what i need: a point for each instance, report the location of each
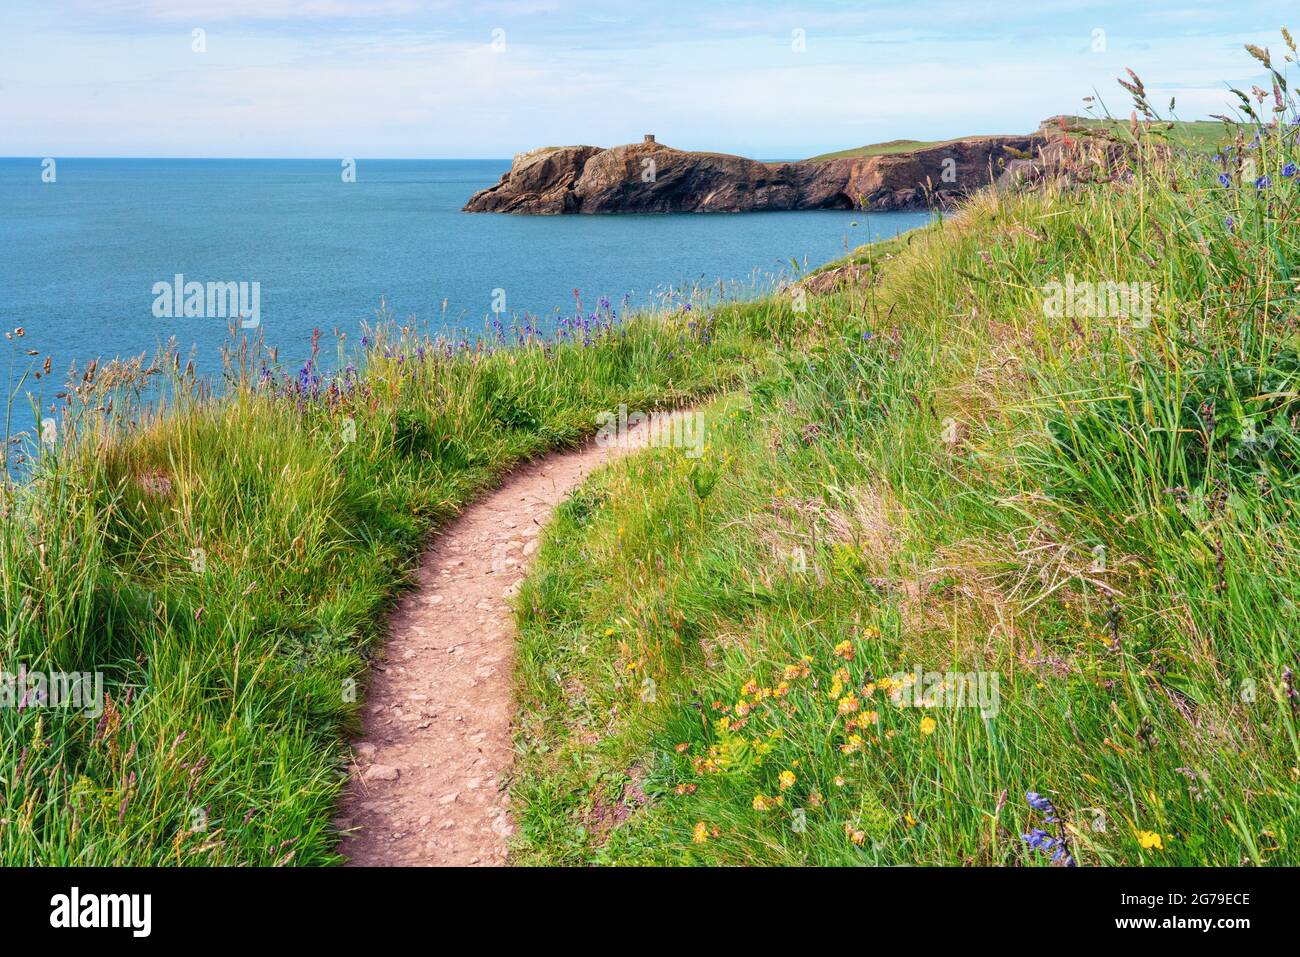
(428, 782)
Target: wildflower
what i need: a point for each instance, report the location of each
(786, 780)
(701, 833)
(844, 650)
(853, 745)
(854, 835)
(928, 725)
(1037, 801)
(1225, 179)
(1289, 170)
(848, 704)
(1229, 223)
(762, 802)
(1038, 839)
(1263, 183)
(1149, 840)
(684, 746)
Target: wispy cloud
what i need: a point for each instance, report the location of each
(446, 78)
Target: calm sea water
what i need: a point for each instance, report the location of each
(79, 256)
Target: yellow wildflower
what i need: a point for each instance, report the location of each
(1150, 839)
(928, 725)
(787, 780)
(701, 833)
(848, 704)
(844, 650)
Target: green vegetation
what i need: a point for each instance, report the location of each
(948, 467)
(226, 564)
(1198, 136)
(1201, 136)
(888, 148)
(952, 470)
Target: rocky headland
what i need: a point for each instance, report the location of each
(650, 177)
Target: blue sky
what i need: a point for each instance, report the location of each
(424, 78)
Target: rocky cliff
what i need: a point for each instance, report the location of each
(652, 178)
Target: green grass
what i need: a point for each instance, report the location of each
(1202, 136)
(226, 564)
(933, 469)
(1199, 136)
(888, 148)
(940, 471)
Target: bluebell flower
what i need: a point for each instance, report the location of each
(1289, 170)
(1263, 183)
(1037, 801)
(1225, 179)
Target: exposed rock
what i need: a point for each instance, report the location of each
(652, 178)
(541, 181)
(380, 772)
(827, 281)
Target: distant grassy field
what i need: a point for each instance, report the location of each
(890, 147)
(1202, 136)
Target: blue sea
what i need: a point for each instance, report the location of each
(82, 253)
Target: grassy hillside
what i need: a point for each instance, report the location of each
(1202, 136)
(888, 148)
(1088, 510)
(950, 472)
(225, 565)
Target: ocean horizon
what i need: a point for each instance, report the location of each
(95, 245)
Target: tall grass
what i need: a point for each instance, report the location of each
(946, 470)
(225, 563)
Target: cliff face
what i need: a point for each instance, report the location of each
(652, 178)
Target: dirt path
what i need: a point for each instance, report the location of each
(427, 786)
